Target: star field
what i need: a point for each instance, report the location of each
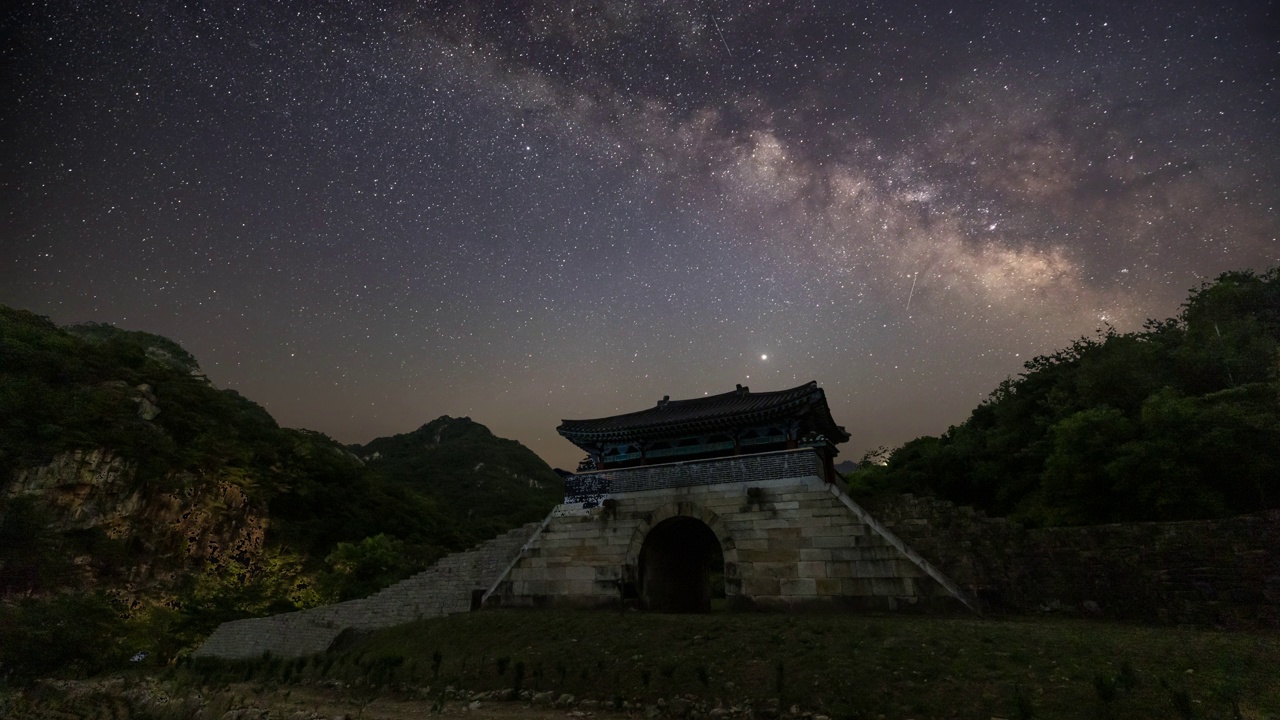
(364, 215)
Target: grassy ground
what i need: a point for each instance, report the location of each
(840, 665)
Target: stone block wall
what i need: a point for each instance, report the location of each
(1207, 572)
(788, 542)
(443, 589)
(970, 548)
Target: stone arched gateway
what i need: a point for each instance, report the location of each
(791, 538)
(674, 551)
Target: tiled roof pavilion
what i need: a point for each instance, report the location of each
(715, 413)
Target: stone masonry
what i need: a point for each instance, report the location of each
(1223, 572)
(443, 589)
(790, 539)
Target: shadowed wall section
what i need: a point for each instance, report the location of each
(1223, 572)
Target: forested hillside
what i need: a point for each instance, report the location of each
(140, 506)
(1180, 420)
(492, 483)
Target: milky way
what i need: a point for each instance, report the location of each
(366, 215)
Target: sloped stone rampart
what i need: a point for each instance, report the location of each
(443, 589)
(1223, 572)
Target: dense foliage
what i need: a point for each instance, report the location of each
(337, 528)
(1178, 421)
(493, 483)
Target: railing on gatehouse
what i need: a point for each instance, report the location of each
(588, 489)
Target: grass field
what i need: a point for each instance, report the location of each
(838, 665)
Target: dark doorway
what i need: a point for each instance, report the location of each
(681, 567)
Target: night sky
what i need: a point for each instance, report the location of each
(364, 215)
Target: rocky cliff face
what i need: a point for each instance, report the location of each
(166, 527)
(87, 488)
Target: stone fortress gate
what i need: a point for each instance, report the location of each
(731, 495)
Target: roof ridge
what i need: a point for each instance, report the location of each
(666, 402)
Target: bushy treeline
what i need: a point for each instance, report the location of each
(1178, 421)
(337, 528)
(496, 483)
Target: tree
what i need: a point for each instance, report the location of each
(360, 569)
(1180, 420)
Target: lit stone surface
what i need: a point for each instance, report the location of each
(787, 537)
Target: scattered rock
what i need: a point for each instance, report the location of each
(544, 698)
(147, 410)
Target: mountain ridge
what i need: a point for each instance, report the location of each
(135, 491)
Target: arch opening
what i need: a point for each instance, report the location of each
(681, 567)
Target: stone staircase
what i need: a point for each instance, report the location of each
(445, 588)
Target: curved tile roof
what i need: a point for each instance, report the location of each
(707, 414)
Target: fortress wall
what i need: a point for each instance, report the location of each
(1223, 572)
(797, 542)
(788, 541)
(443, 589)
